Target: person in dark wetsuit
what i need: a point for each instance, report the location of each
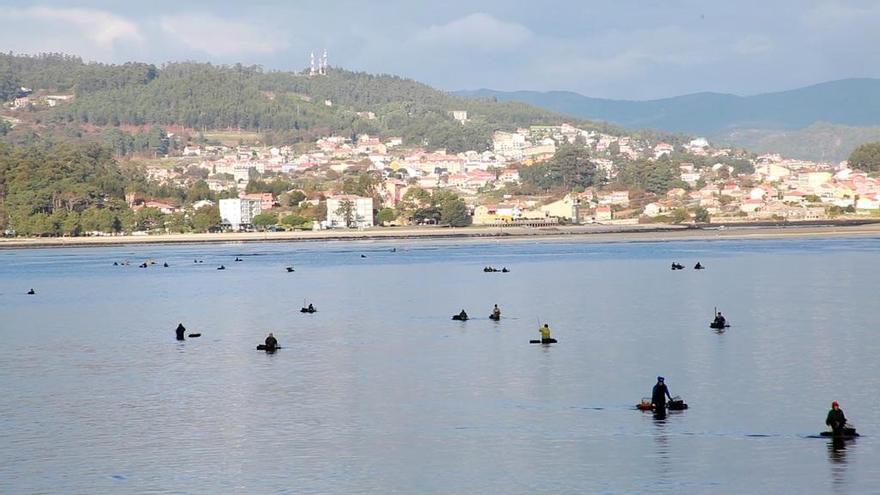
(659, 395)
(271, 342)
(720, 321)
(311, 308)
(835, 419)
(181, 331)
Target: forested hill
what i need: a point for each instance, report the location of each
(203, 96)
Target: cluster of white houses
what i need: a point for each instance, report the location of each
(777, 188)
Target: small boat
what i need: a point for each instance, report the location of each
(460, 317)
(308, 310)
(848, 433)
(495, 317)
(676, 404)
(718, 326)
(194, 335)
(237, 259)
(289, 269)
(221, 267)
(262, 347)
(645, 405)
(543, 341)
(31, 292)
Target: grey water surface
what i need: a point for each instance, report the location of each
(380, 392)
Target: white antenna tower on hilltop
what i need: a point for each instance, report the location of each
(323, 70)
(312, 64)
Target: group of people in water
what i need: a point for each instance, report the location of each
(495, 315)
(679, 266)
(148, 263)
(659, 404)
(145, 264)
(463, 316)
(835, 419)
(492, 269)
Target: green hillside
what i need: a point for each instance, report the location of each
(202, 96)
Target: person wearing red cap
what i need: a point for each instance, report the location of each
(835, 419)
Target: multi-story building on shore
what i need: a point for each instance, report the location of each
(239, 213)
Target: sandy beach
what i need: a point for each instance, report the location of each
(593, 233)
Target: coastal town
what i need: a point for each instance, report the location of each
(454, 168)
(769, 188)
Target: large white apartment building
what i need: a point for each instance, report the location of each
(239, 213)
(360, 215)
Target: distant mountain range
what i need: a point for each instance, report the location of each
(782, 118)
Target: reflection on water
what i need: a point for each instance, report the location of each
(379, 392)
(661, 449)
(837, 458)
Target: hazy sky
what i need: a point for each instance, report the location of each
(620, 49)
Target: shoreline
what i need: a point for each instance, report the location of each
(596, 233)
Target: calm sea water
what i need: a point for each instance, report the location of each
(379, 392)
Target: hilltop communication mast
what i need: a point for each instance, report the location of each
(319, 69)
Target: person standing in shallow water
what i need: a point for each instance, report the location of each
(545, 334)
(181, 331)
(659, 395)
(835, 419)
(271, 342)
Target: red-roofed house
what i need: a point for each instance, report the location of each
(751, 205)
(793, 197)
(603, 213)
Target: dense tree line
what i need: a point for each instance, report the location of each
(569, 168)
(152, 142)
(440, 207)
(866, 157)
(655, 176)
(51, 189)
